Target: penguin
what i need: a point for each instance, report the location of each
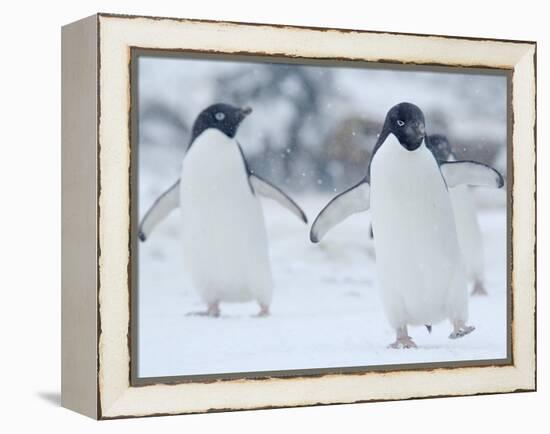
(467, 224)
(419, 264)
(223, 231)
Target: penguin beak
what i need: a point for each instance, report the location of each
(246, 111)
(414, 136)
(420, 133)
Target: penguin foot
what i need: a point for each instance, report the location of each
(403, 342)
(264, 312)
(479, 288)
(402, 339)
(212, 311)
(461, 330)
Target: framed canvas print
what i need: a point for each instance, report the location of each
(261, 216)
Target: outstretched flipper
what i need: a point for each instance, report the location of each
(354, 200)
(264, 188)
(164, 205)
(470, 173)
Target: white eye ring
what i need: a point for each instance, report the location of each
(220, 116)
(400, 122)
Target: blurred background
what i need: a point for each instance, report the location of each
(313, 127)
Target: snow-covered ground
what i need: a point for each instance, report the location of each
(326, 311)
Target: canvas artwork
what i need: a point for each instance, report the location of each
(262, 216)
(294, 218)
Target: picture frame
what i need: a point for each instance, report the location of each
(99, 230)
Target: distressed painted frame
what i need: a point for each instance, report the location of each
(96, 246)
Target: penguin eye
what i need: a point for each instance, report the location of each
(400, 122)
(219, 116)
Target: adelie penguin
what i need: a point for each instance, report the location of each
(421, 273)
(467, 225)
(223, 231)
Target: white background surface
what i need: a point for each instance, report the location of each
(30, 218)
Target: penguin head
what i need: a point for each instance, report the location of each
(406, 122)
(440, 147)
(223, 117)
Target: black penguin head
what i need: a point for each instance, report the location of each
(440, 147)
(223, 117)
(406, 122)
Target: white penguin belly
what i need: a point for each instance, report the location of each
(224, 235)
(468, 231)
(418, 258)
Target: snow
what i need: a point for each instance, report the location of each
(326, 311)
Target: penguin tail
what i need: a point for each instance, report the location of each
(428, 327)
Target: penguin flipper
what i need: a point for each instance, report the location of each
(165, 203)
(470, 173)
(266, 189)
(355, 199)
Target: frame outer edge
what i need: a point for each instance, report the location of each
(79, 322)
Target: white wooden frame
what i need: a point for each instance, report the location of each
(96, 216)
